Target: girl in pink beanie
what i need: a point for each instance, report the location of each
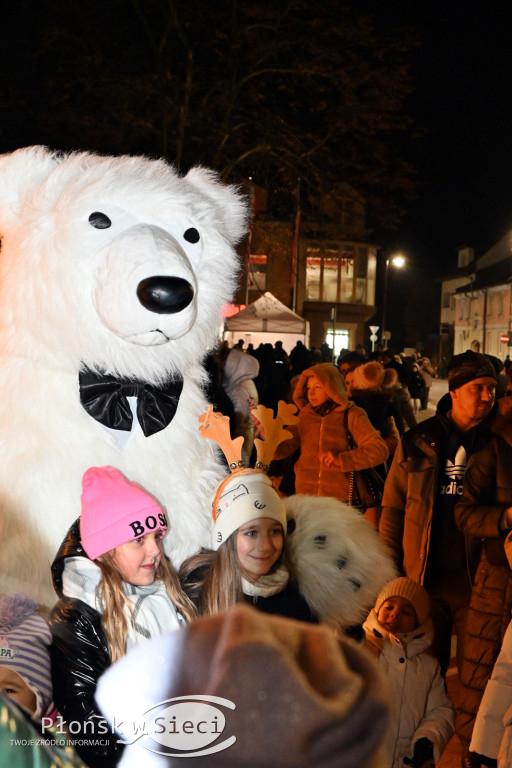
(116, 589)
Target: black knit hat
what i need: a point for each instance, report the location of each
(468, 366)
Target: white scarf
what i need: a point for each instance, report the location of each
(153, 612)
(269, 584)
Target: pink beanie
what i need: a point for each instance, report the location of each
(115, 510)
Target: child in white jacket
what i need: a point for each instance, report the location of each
(399, 632)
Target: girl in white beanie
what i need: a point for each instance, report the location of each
(333, 563)
(247, 561)
(399, 632)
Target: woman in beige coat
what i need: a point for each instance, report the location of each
(325, 417)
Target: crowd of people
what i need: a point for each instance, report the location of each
(439, 494)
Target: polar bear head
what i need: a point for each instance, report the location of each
(114, 263)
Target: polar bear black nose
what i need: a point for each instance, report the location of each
(165, 295)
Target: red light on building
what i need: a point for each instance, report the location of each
(232, 309)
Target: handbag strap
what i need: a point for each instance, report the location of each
(350, 437)
(351, 444)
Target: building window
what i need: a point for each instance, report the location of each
(336, 274)
(338, 341)
(347, 276)
(313, 274)
(501, 302)
(258, 272)
(330, 278)
(490, 302)
(361, 273)
(446, 299)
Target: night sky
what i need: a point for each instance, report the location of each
(463, 72)
(461, 151)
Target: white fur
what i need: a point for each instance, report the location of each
(340, 562)
(68, 299)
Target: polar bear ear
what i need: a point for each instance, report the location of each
(20, 172)
(229, 206)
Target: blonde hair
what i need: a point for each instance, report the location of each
(116, 606)
(220, 587)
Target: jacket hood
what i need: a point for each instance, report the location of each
(239, 366)
(417, 641)
(502, 425)
(70, 547)
(443, 408)
(331, 379)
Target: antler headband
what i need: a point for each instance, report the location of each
(215, 426)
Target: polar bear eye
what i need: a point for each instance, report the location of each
(99, 220)
(290, 526)
(191, 235)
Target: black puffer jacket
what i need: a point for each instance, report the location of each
(79, 656)
(289, 602)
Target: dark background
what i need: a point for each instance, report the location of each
(463, 73)
(106, 77)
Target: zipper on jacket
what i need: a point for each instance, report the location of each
(320, 462)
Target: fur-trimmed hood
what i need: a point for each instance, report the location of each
(417, 641)
(331, 379)
(339, 560)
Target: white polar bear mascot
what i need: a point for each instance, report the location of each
(113, 273)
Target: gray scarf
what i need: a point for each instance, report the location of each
(152, 610)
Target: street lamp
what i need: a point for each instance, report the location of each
(398, 261)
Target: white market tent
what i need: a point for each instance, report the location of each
(265, 321)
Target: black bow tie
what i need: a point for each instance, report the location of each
(104, 398)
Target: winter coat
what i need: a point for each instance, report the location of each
(487, 493)
(237, 379)
(273, 380)
(338, 562)
(381, 409)
(316, 435)
(288, 602)
(416, 383)
(79, 656)
(419, 706)
(410, 492)
(426, 371)
(492, 734)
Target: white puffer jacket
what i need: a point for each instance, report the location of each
(417, 698)
(492, 734)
